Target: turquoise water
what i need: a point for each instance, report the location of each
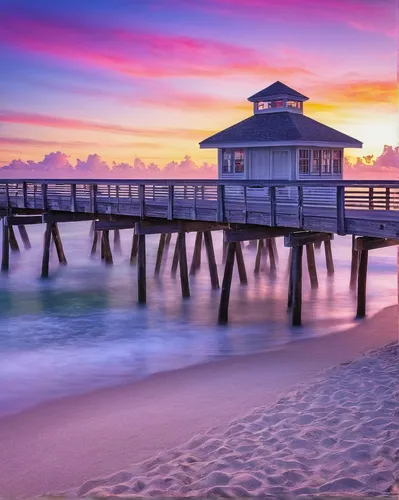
(83, 329)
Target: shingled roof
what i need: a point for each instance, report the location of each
(280, 127)
(277, 89)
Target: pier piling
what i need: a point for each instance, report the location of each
(185, 287)
(24, 237)
(141, 269)
(5, 252)
(226, 284)
(210, 252)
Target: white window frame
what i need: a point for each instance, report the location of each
(233, 151)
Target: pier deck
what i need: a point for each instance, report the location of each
(344, 207)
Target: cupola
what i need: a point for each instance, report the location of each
(278, 97)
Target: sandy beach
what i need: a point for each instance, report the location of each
(340, 435)
(337, 432)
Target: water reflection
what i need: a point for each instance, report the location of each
(82, 328)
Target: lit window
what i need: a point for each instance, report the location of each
(233, 161)
(294, 104)
(304, 161)
(228, 167)
(270, 104)
(326, 161)
(337, 161)
(316, 162)
(239, 161)
(277, 104)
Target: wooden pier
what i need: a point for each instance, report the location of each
(306, 214)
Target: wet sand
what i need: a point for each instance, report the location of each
(62, 444)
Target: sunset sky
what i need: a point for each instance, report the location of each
(152, 78)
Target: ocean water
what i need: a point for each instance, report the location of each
(83, 329)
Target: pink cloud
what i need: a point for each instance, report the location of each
(137, 53)
(366, 15)
(40, 120)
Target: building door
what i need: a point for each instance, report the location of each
(281, 166)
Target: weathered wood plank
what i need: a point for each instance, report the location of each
(368, 243)
(301, 238)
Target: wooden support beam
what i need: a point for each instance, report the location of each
(258, 258)
(161, 247)
(13, 240)
(289, 262)
(226, 284)
(196, 260)
(58, 244)
(210, 252)
(317, 244)
(175, 260)
(168, 239)
(241, 264)
(5, 253)
(329, 257)
(296, 286)
(361, 284)
(185, 288)
(141, 270)
(117, 242)
(224, 251)
(135, 244)
(67, 217)
(92, 228)
(310, 257)
(96, 237)
(272, 257)
(24, 237)
(367, 243)
(354, 265)
(255, 233)
(175, 226)
(300, 238)
(274, 245)
(107, 248)
(46, 250)
(18, 220)
(113, 225)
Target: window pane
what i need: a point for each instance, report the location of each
(239, 161)
(293, 104)
(316, 162)
(337, 161)
(304, 161)
(262, 105)
(326, 161)
(227, 166)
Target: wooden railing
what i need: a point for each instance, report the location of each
(277, 203)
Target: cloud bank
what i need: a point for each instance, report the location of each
(58, 165)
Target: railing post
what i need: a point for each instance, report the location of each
(371, 200)
(25, 193)
(387, 198)
(44, 197)
(273, 207)
(341, 229)
(93, 198)
(171, 192)
(7, 195)
(220, 208)
(73, 197)
(300, 206)
(142, 200)
(245, 205)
